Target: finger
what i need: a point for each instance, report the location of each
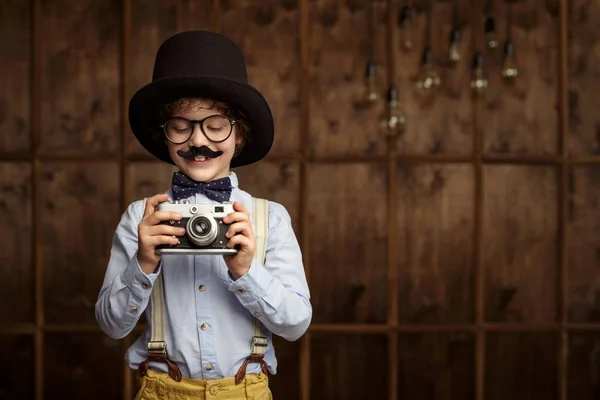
(243, 228)
(241, 240)
(240, 207)
(163, 229)
(159, 216)
(153, 202)
(153, 241)
(235, 216)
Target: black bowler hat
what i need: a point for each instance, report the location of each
(201, 64)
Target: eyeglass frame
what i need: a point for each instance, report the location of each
(232, 122)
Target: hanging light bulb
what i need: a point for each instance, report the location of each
(405, 21)
(428, 81)
(490, 34)
(454, 43)
(393, 119)
(370, 92)
(478, 81)
(509, 68)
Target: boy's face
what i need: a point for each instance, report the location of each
(202, 168)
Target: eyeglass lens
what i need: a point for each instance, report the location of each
(216, 128)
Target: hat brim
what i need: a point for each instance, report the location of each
(145, 105)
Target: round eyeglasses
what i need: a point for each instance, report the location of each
(217, 128)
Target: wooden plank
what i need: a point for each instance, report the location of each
(584, 78)
(70, 358)
(347, 225)
(442, 123)
(15, 67)
(16, 268)
(80, 211)
(435, 230)
(150, 178)
(277, 182)
(285, 384)
(519, 237)
(340, 368)
(17, 368)
(521, 365)
(80, 78)
(521, 117)
(584, 229)
(583, 365)
(267, 33)
(339, 47)
(152, 23)
(436, 366)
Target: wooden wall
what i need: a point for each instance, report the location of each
(458, 261)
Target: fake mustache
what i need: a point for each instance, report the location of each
(194, 152)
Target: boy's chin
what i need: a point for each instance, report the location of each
(203, 173)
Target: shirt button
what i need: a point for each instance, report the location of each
(145, 285)
(208, 367)
(202, 288)
(204, 326)
(240, 291)
(134, 309)
(257, 314)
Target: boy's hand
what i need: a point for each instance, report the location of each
(239, 233)
(151, 234)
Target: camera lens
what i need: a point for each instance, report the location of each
(202, 230)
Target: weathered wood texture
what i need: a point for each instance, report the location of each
(519, 239)
(442, 122)
(435, 225)
(521, 366)
(347, 225)
(521, 117)
(83, 366)
(436, 366)
(583, 247)
(79, 213)
(17, 367)
(80, 76)
(583, 366)
(153, 22)
(584, 78)
(16, 270)
(349, 367)
(340, 44)
(15, 68)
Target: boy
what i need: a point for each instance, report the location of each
(200, 114)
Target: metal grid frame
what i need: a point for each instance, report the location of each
(392, 327)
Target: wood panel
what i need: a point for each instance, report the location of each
(285, 383)
(519, 237)
(521, 366)
(267, 33)
(442, 123)
(277, 182)
(348, 367)
(152, 22)
(521, 117)
(340, 44)
(17, 368)
(436, 366)
(80, 76)
(583, 366)
(435, 231)
(16, 267)
(348, 228)
(82, 367)
(583, 249)
(15, 67)
(150, 178)
(584, 78)
(80, 211)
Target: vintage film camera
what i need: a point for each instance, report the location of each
(204, 228)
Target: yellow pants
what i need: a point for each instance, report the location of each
(160, 386)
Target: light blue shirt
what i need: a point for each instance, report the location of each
(199, 290)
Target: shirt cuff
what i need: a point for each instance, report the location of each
(137, 281)
(252, 286)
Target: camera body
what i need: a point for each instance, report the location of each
(204, 228)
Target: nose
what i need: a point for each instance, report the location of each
(198, 139)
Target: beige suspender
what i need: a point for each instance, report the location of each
(157, 346)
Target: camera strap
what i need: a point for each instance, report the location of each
(157, 346)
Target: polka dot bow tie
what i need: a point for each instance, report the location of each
(183, 187)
